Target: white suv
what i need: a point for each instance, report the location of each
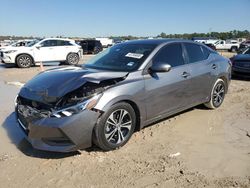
(46, 50)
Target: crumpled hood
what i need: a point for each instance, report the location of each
(53, 84)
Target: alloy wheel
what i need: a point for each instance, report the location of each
(218, 94)
(73, 59)
(118, 126)
(25, 61)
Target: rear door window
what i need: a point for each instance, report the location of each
(49, 43)
(205, 52)
(195, 52)
(170, 54)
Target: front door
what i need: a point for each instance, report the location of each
(46, 51)
(167, 92)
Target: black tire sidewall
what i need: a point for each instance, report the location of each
(100, 138)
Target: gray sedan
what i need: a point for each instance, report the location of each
(122, 89)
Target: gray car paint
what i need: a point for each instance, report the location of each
(194, 85)
(155, 96)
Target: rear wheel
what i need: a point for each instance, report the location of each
(115, 127)
(72, 59)
(217, 94)
(96, 50)
(24, 61)
(233, 49)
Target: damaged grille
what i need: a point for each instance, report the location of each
(29, 108)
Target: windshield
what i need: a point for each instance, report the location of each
(121, 57)
(32, 43)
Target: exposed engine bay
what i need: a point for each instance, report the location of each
(37, 109)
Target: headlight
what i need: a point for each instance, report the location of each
(10, 51)
(69, 111)
(15, 101)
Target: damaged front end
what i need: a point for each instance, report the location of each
(65, 124)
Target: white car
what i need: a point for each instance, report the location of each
(46, 50)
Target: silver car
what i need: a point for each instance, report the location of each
(122, 89)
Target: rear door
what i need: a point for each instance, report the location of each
(203, 70)
(166, 92)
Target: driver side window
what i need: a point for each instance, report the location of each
(170, 54)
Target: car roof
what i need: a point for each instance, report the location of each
(156, 41)
(58, 39)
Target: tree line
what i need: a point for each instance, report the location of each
(220, 35)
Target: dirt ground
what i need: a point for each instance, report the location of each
(196, 148)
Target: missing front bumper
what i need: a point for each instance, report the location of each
(60, 134)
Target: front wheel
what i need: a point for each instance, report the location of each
(217, 94)
(24, 61)
(72, 59)
(115, 127)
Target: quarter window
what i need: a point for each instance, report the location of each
(195, 53)
(67, 43)
(205, 52)
(170, 54)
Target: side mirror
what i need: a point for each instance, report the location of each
(38, 46)
(160, 67)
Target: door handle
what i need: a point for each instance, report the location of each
(185, 74)
(214, 66)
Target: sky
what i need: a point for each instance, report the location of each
(97, 18)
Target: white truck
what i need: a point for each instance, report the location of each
(106, 42)
(230, 45)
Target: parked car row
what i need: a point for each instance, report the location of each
(229, 45)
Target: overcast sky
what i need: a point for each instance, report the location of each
(92, 18)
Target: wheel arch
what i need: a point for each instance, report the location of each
(137, 113)
(33, 61)
(140, 114)
(224, 78)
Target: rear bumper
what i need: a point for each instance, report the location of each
(59, 134)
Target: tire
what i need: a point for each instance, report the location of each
(109, 134)
(24, 61)
(96, 50)
(72, 59)
(233, 49)
(62, 63)
(217, 94)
